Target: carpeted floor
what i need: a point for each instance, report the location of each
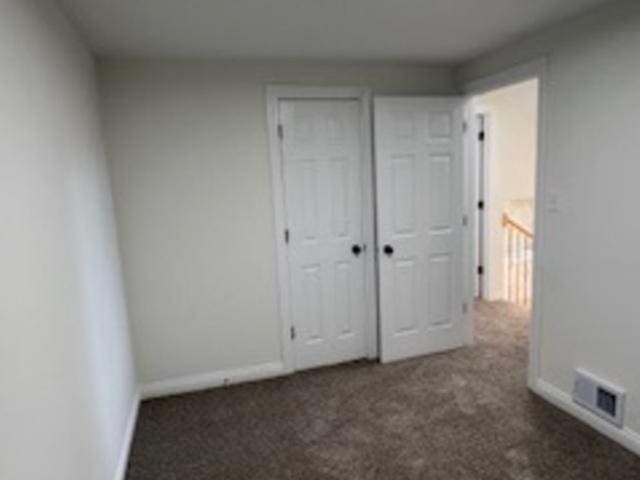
(461, 415)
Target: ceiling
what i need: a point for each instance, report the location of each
(404, 30)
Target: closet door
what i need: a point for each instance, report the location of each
(323, 177)
(420, 207)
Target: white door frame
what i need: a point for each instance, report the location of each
(275, 94)
(536, 69)
(483, 169)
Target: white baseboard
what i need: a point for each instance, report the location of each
(121, 469)
(218, 378)
(624, 436)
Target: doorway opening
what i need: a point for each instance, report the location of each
(507, 131)
(505, 123)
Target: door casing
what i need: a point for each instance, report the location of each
(274, 95)
(535, 69)
(480, 122)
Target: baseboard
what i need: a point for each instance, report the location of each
(218, 378)
(121, 469)
(624, 436)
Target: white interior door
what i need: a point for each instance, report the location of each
(323, 181)
(420, 209)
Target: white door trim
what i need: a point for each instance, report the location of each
(536, 69)
(482, 168)
(274, 94)
(478, 175)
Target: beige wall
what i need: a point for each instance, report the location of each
(512, 134)
(589, 313)
(189, 152)
(66, 370)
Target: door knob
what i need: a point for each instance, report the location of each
(388, 250)
(356, 249)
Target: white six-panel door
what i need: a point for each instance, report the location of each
(323, 182)
(420, 207)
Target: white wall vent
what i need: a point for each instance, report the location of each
(600, 397)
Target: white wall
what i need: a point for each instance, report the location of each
(66, 372)
(189, 151)
(510, 167)
(590, 261)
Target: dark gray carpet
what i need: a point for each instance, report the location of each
(461, 415)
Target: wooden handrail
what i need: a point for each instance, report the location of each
(518, 256)
(507, 221)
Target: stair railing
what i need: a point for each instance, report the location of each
(518, 261)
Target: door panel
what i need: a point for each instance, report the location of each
(439, 214)
(405, 282)
(342, 313)
(439, 284)
(308, 173)
(403, 171)
(322, 170)
(312, 302)
(420, 197)
(339, 185)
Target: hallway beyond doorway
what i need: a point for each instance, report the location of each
(506, 160)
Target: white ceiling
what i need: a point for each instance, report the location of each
(416, 30)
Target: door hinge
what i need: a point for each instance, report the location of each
(280, 131)
(465, 220)
(481, 135)
(481, 205)
(465, 127)
(286, 236)
(480, 270)
(465, 308)
(292, 332)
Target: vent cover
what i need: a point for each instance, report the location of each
(600, 397)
